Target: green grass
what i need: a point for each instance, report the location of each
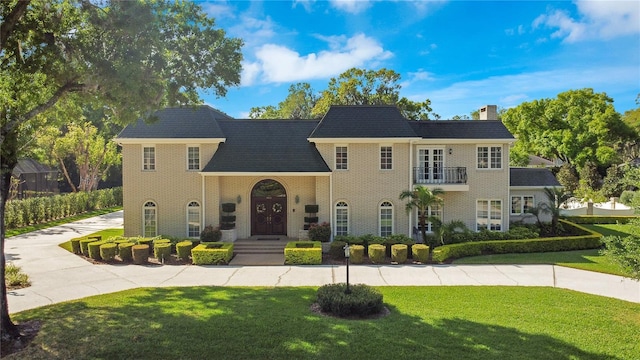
(86, 215)
(276, 323)
(610, 229)
(106, 233)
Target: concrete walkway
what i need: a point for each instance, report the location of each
(58, 275)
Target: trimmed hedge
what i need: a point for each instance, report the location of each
(94, 249)
(124, 251)
(357, 254)
(36, 210)
(581, 242)
(75, 245)
(162, 251)
(377, 253)
(215, 253)
(140, 254)
(399, 253)
(303, 253)
(108, 251)
(84, 245)
(183, 249)
(420, 253)
(596, 219)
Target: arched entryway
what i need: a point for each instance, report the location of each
(268, 208)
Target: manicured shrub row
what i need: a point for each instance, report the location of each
(212, 253)
(19, 213)
(420, 253)
(595, 219)
(108, 251)
(140, 254)
(456, 251)
(357, 254)
(399, 253)
(96, 248)
(363, 300)
(303, 253)
(377, 253)
(183, 249)
(124, 251)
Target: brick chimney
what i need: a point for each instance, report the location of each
(489, 112)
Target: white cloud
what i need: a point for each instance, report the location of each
(414, 77)
(306, 4)
(510, 90)
(350, 6)
(277, 64)
(598, 20)
(218, 9)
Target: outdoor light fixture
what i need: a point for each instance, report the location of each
(347, 255)
(239, 199)
(450, 151)
(297, 199)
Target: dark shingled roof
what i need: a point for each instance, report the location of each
(363, 121)
(461, 129)
(31, 166)
(179, 123)
(267, 146)
(533, 177)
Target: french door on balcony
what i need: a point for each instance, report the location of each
(431, 165)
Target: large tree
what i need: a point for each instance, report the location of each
(575, 127)
(130, 57)
(297, 105)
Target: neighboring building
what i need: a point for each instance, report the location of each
(353, 164)
(32, 178)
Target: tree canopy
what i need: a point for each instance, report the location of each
(126, 57)
(576, 127)
(353, 87)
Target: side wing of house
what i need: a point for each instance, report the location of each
(527, 191)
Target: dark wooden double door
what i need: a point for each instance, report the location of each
(269, 216)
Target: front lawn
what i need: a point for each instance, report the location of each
(277, 323)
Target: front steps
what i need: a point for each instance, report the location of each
(259, 252)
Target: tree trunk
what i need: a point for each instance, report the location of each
(8, 149)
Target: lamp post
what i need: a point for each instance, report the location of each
(347, 255)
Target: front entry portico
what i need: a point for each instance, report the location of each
(268, 208)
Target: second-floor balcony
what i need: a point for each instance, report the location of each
(454, 178)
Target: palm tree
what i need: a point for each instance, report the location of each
(556, 197)
(421, 198)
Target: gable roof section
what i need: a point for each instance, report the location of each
(532, 177)
(461, 129)
(178, 123)
(363, 121)
(267, 146)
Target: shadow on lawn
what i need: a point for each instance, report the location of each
(270, 323)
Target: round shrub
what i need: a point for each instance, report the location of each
(377, 253)
(124, 251)
(108, 251)
(420, 253)
(321, 232)
(399, 253)
(140, 254)
(357, 254)
(75, 246)
(94, 249)
(336, 249)
(363, 300)
(162, 251)
(183, 249)
(210, 234)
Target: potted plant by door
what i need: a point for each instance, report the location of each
(228, 223)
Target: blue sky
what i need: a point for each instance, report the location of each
(459, 54)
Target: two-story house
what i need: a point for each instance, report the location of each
(353, 164)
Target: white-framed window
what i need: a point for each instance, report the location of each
(149, 158)
(150, 216)
(432, 211)
(520, 204)
(489, 215)
(193, 219)
(342, 218)
(193, 157)
(386, 219)
(386, 157)
(341, 158)
(489, 157)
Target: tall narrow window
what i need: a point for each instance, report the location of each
(193, 219)
(386, 158)
(148, 158)
(193, 158)
(489, 215)
(150, 216)
(341, 158)
(342, 218)
(489, 157)
(386, 219)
